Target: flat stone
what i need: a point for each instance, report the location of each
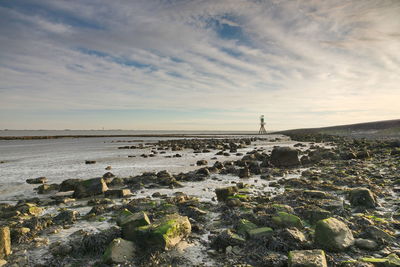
(307, 258)
(119, 193)
(366, 244)
(259, 232)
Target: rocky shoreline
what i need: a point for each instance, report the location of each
(327, 201)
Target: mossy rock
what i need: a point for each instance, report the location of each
(163, 234)
(282, 208)
(131, 221)
(390, 261)
(244, 226)
(259, 232)
(284, 219)
(119, 251)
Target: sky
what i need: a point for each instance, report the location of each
(198, 64)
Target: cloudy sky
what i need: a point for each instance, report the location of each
(198, 64)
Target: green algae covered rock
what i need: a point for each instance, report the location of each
(225, 192)
(162, 234)
(244, 226)
(259, 232)
(284, 219)
(390, 261)
(130, 221)
(333, 235)
(307, 258)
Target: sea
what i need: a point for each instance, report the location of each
(64, 158)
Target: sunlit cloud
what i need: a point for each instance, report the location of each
(300, 63)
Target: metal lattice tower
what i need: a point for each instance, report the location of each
(262, 128)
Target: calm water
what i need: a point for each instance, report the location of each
(60, 159)
(111, 132)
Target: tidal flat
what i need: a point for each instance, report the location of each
(273, 200)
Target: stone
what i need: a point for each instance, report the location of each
(69, 184)
(201, 162)
(315, 215)
(285, 157)
(162, 234)
(363, 197)
(366, 244)
(5, 242)
(119, 251)
(29, 208)
(392, 260)
(90, 161)
(129, 221)
(66, 216)
(90, 187)
(307, 258)
(227, 238)
(2, 262)
(47, 188)
(260, 232)
(333, 235)
(284, 219)
(244, 226)
(244, 172)
(39, 180)
(225, 192)
(118, 193)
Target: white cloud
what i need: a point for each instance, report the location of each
(306, 63)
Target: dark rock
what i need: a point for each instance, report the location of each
(118, 193)
(224, 193)
(201, 162)
(39, 180)
(90, 187)
(90, 161)
(363, 197)
(66, 216)
(285, 157)
(69, 184)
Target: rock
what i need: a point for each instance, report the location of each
(5, 242)
(69, 184)
(316, 194)
(285, 157)
(307, 258)
(39, 180)
(47, 188)
(29, 208)
(333, 235)
(130, 221)
(392, 260)
(260, 232)
(66, 216)
(108, 175)
(90, 187)
(315, 215)
(2, 262)
(90, 161)
(363, 197)
(225, 192)
(244, 172)
(366, 244)
(201, 162)
(163, 234)
(227, 238)
(244, 226)
(118, 193)
(378, 234)
(283, 219)
(108, 168)
(119, 251)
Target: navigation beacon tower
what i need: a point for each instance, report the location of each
(262, 128)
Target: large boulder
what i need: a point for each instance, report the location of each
(285, 157)
(5, 242)
(363, 197)
(119, 251)
(333, 235)
(90, 187)
(69, 184)
(162, 234)
(307, 258)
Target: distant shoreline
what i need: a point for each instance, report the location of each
(205, 135)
